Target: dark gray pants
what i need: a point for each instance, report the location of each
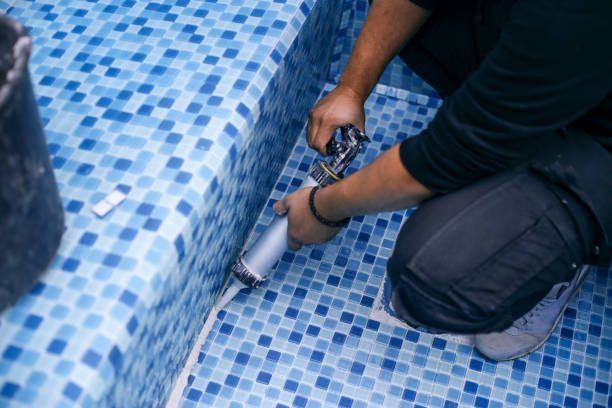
(476, 259)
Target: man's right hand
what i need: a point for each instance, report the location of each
(340, 107)
(387, 28)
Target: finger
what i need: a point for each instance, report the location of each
(324, 135)
(280, 207)
(313, 128)
(293, 243)
(310, 125)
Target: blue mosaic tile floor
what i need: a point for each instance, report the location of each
(307, 339)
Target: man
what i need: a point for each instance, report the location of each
(514, 173)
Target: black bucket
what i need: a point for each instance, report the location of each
(31, 215)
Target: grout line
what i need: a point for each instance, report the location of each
(181, 382)
(192, 360)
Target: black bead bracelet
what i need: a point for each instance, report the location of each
(319, 217)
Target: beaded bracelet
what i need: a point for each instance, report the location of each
(319, 217)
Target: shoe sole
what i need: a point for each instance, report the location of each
(583, 270)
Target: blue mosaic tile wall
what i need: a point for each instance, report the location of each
(307, 338)
(183, 106)
(397, 74)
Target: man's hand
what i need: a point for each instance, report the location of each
(340, 107)
(383, 185)
(304, 228)
(387, 28)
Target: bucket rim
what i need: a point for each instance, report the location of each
(21, 49)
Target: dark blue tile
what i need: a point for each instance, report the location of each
(264, 377)
(295, 337)
(322, 382)
(242, 358)
(72, 391)
(122, 164)
(111, 260)
(128, 298)
(70, 265)
(290, 385)
(9, 389)
(32, 322)
(232, 381)
(132, 325)
(317, 356)
(345, 402)
(91, 358)
(56, 346)
(470, 387)
(128, 234)
(357, 368)
(300, 401)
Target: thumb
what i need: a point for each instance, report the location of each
(280, 207)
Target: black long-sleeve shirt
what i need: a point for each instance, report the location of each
(545, 86)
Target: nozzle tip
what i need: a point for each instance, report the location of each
(244, 275)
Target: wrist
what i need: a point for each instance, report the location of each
(326, 204)
(318, 216)
(360, 92)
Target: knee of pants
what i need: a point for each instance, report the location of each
(422, 303)
(418, 306)
(398, 265)
(413, 300)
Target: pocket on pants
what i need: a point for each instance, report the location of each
(540, 250)
(477, 232)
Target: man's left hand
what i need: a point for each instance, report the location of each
(304, 228)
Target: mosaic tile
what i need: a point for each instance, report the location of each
(396, 75)
(182, 107)
(306, 337)
(5, 5)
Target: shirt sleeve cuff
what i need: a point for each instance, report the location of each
(415, 159)
(426, 4)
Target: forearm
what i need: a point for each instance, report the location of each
(388, 27)
(384, 185)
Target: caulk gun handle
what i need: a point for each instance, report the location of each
(332, 147)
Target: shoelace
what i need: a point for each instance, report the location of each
(525, 320)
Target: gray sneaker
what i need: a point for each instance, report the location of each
(531, 330)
